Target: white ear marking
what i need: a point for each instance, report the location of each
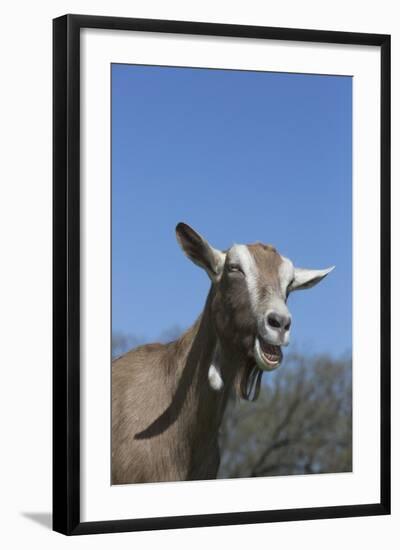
(286, 274)
(307, 278)
(220, 257)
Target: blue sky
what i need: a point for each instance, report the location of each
(242, 157)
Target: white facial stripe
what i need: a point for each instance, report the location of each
(241, 254)
(286, 273)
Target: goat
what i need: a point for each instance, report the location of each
(168, 399)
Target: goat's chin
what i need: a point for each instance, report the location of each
(267, 356)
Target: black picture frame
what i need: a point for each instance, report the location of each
(66, 273)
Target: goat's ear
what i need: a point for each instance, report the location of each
(307, 278)
(200, 251)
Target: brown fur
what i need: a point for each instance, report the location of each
(268, 261)
(165, 415)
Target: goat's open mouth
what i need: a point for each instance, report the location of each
(267, 356)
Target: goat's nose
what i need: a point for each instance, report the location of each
(279, 321)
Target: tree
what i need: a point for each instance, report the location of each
(301, 423)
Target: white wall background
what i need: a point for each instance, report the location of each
(25, 289)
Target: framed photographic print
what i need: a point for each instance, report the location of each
(221, 274)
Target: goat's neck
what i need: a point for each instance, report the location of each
(203, 407)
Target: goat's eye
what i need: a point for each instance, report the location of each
(235, 268)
